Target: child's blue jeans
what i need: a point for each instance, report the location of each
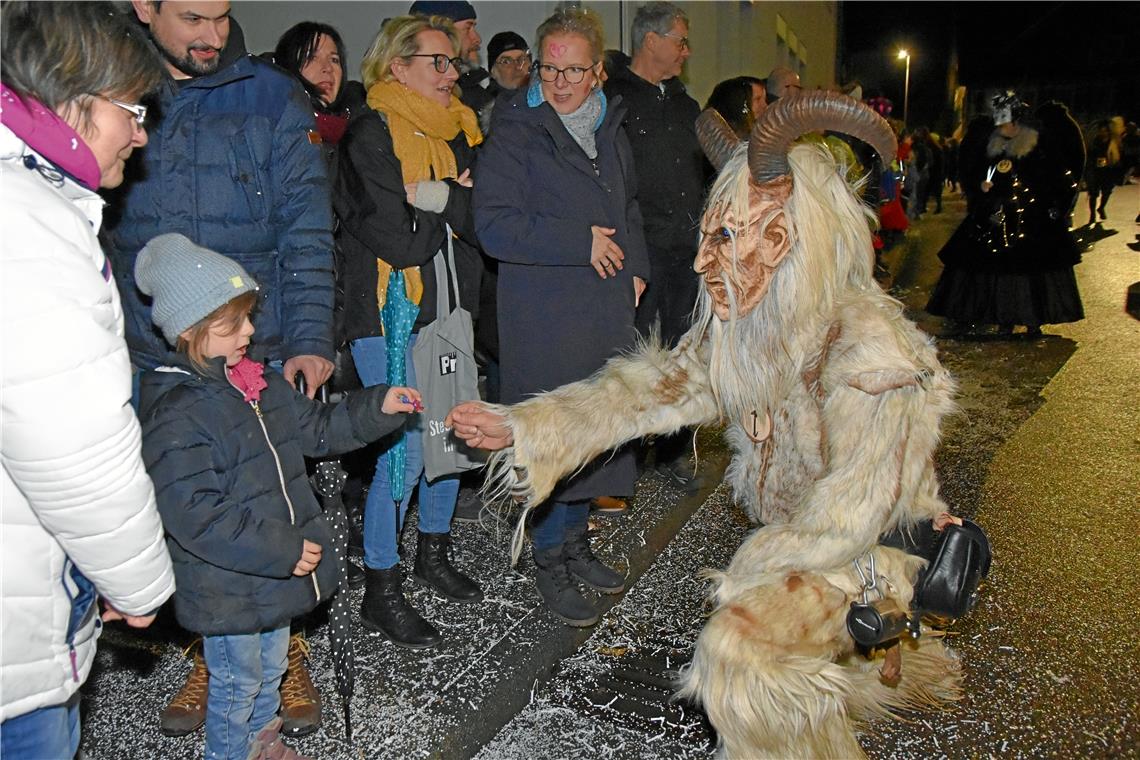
(245, 672)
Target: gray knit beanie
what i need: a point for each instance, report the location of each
(186, 281)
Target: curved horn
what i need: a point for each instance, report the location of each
(793, 115)
(716, 137)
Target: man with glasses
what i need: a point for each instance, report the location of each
(510, 62)
(670, 182)
(234, 164)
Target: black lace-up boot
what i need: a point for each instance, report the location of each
(558, 591)
(434, 570)
(387, 611)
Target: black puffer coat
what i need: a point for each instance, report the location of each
(237, 507)
(376, 222)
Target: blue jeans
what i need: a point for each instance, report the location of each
(437, 498)
(49, 733)
(553, 519)
(245, 672)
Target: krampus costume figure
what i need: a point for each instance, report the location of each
(832, 400)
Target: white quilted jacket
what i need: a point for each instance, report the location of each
(74, 489)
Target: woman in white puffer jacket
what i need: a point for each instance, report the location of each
(77, 510)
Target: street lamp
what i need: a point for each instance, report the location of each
(906, 85)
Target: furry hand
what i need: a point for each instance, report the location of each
(944, 519)
(478, 426)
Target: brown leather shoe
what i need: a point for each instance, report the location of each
(609, 505)
(187, 711)
(300, 701)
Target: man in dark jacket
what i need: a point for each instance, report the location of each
(670, 181)
(237, 168)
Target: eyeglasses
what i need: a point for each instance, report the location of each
(682, 41)
(439, 61)
(572, 74)
(520, 62)
(138, 111)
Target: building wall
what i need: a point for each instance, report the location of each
(729, 37)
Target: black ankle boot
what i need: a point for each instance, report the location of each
(583, 565)
(434, 570)
(355, 575)
(387, 611)
(560, 595)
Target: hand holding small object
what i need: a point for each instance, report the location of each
(402, 399)
(479, 427)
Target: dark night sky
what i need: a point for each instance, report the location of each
(1086, 54)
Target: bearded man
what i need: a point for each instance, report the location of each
(832, 402)
(235, 165)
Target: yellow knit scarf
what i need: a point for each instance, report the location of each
(420, 129)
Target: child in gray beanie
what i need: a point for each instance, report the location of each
(187, 282)
(225, 444)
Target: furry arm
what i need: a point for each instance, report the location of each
(650, 392)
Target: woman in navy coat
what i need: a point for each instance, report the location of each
(555, 205)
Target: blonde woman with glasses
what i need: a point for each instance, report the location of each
(404, 186)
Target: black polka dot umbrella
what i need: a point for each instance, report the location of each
(328, 481)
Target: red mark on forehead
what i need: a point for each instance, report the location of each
(557, 49)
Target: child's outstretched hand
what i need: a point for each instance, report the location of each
(310, 558)
(400, 399)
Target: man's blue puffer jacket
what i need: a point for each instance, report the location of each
(230, 165)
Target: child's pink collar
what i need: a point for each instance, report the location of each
(247, 377)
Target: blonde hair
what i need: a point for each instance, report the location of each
(229, 316)
(397, 40)
(574, 20)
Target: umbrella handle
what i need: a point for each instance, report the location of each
(322, 392)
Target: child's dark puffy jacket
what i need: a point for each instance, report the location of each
(233, 492)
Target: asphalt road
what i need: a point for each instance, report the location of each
(1045, 453)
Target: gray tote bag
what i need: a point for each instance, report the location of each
(444, 356)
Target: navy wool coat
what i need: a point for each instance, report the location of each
(235, 498)
(536, 197)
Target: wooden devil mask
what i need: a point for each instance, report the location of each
(739, 257)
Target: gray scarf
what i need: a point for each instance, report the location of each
(582, 122)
